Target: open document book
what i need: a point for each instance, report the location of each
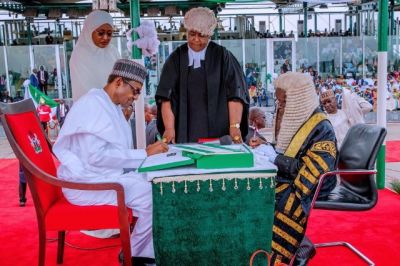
(214, 156)
(204, 156)
(172, 158)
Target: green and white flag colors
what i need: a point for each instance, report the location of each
(383, 26)
(37, 95)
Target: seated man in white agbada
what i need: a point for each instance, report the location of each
(353, 109)
(95, 145)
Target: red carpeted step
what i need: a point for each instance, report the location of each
(374, 232)
(393, 151)
(19, 240)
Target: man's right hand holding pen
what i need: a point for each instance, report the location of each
(256, 141)
(158, 147)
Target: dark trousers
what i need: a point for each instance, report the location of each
(44, 126)
(61, 121)
(43, 87)
(22, 187)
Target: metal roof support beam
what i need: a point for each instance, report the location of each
(305, 19)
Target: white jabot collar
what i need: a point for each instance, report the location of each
(196, 57)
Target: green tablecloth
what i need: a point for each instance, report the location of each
(212, 219)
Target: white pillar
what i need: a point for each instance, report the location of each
(362, 24)
(329, 23)
(139, 117)
(382, 91)
(373, 22)
(340, 56)
(294, 56)
(244, 55)
(58, 68)
(66, 72)
(397, 34)
(270, 56)
(363, 56)
(31, 58)
(318, 55)
(170, 48)
(119, 46)
(8, 85)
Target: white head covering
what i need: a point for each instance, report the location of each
(91, 65)
(301, 101)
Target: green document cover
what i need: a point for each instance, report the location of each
(214, 156)
(171, 159)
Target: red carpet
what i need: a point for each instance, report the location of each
(19, 241)
(393, 151)
(374, 232)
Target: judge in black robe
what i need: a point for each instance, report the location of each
(199, 97)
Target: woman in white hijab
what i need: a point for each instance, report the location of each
(93, 56)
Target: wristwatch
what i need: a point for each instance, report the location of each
(235, 125)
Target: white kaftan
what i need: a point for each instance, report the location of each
(353, 109)
(95, 145)
(341, 125)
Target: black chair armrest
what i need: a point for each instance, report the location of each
(333, 174)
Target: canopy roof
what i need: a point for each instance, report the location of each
(45, 6)
(80, 8)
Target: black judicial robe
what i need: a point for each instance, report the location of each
(224, 80)
(311, 152)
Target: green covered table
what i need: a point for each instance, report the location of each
(217, 217)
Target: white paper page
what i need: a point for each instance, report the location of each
(172, 156)
(211, 150)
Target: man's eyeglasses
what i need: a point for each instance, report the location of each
(136, 91)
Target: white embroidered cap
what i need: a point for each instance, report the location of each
(129, 69)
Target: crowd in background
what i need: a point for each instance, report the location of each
(310, 33)
(364, 87)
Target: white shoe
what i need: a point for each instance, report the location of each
(103, 233)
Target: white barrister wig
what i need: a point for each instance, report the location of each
(200, 19)
(301, 101)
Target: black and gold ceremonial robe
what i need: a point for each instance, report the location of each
(199, 97)
(311, 152)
